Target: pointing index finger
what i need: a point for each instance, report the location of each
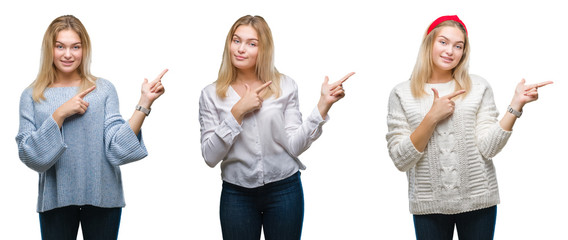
(346, 77)
(162, 74)
(259, 89)
(455, 94)
(84, 93)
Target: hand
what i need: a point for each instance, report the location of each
(443, 107)
(250, 102)
(75, 105)
(152, 90)
(331, 93)
(526, 93)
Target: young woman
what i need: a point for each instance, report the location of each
(443, 132)
(250, 120)
(72, 134)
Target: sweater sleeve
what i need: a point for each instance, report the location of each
(39, 147)
(300, 135)
(122, 146)
(401, 150)
(217, 136)
(491, 138)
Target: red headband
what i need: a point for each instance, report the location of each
(446, 18)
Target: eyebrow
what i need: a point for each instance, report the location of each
(246, 39)
(64, 43)
(449, 39)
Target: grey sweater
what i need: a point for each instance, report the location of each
(79, 163)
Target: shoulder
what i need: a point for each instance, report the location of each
(286, 82)
(401, 89)
(209, 90)
(480, 86)
(104, 84)
(476, 80)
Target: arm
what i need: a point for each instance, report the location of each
(217, 136)
(39, 148)
(300, 135)
(122, 146)
(441, 109)
(401, 149)
(523, 95)
(150, 92)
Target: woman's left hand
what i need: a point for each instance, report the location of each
(152, 90)
(526, 93)
(331, 93)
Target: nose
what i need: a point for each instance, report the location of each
(241, 48)
(67, 53)
(449, 50)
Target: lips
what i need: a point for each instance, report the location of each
(447, 59)
(240, 58)
(67, 63)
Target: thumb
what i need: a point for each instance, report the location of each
(145, 80)
(435, 93)
(247, 88)
(326, 80)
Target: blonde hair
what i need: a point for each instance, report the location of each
(423, 68)
(264, 69)
(47, 71)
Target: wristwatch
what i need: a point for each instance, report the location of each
(514, 112)
(143, 109)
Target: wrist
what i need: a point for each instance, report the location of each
(145, 103)
(323, 107)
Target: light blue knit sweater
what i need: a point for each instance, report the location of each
(79, 163)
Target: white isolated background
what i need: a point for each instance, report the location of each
(352, 190)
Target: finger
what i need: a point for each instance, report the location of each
(436, 96)
(338, 93)
(84, 93)
(153, 88)
(456, 93)
(346, 77)
(162, 74)
(542, 84)
(247, 88)
(259, 89)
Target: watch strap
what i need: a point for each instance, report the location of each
(143, 109)
(514, 112)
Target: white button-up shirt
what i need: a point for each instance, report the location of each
(266, 146)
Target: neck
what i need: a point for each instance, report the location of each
(441, 76)
(67, 79)
(246, 76)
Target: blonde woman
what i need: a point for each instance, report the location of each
(72, 134)
(443, 132)
(251, 123)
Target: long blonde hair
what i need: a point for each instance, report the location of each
(423, 68)
(264, 69)
(47, 71)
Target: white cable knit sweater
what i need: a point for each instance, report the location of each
(455, 172)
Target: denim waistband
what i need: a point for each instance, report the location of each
(294, 179)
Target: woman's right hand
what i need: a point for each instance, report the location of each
(443, 107)
(250, 102)
(75, 105)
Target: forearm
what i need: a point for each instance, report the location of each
(138, 117)
(323, 108)
(423, 133)
(508, 120)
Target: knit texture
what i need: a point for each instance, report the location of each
(77, 164)
(455, 173)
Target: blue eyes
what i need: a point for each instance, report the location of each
(252, 44)
(444, 43)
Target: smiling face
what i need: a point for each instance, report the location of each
(448, 48)
(67, 52)
(244, 48)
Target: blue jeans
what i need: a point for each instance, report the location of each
(63, 223)
(475, 225)
(276, 206)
